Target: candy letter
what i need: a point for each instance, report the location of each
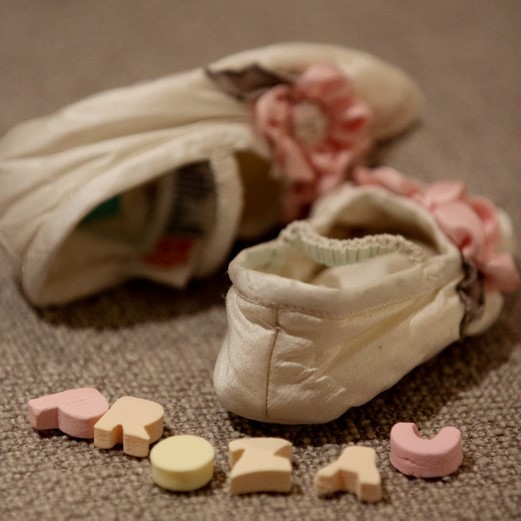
(74, 412)
(132, 421)
(182, 463)
(354, 471)
(416, 456)
(260, 465)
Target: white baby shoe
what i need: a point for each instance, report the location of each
(157, 180)
(340, 307)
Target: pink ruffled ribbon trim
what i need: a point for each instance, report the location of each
(317, 129)
(470, 222)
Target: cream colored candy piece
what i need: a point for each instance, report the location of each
(260, 465)
(182, 463)
(132, 421)
(354, 471)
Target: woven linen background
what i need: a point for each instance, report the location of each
(150, 341)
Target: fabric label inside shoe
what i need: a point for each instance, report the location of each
(156, 229)
(190, 212)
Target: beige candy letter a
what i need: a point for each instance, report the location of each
(260, 465)
(132, 421)
(354, 471)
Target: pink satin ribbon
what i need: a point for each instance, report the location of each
(317, 129)
(470, 222)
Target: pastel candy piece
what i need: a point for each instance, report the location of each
(425, 458)
(74, 412)
(260, 465)
(354, 471)
(182, 463)
(132, 421)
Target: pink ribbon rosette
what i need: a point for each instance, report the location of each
(317, 129)
(470, 222)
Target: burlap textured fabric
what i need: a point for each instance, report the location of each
(157, 343)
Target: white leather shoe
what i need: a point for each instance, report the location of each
(340, 307)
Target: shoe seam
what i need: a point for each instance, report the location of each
(321, 314)
(8, 246)
(270, 357)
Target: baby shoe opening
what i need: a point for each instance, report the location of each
(153, 230)
(369, 223)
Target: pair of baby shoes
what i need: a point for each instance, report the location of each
(157, 180)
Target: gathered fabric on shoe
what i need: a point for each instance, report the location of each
(312, 334)
(335, 252)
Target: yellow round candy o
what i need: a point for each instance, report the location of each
(182, 463)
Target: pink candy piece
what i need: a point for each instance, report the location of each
(423, 458)
(74, 412)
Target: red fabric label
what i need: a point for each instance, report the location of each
(169, 252)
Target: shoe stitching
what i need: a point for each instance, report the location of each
(320, 314)
(275, 337)
(277, 327)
